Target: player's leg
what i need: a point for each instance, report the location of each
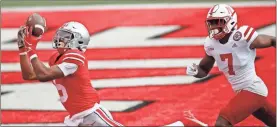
(93, 120)
(239, 108)
(267, 114)
(99, 118)
(108, 114)
(222, 122)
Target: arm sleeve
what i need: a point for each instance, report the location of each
(68, 68)
(249, 34)
(208, 47)
(75, 58)
(207, 51)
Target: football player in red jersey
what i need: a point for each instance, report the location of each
(234, 51)
(69, 73)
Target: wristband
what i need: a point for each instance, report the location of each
(23, 53)
(32, 54)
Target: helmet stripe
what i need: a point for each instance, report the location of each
(212, 10)
(233, 13)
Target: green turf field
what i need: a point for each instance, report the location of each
(16, 3)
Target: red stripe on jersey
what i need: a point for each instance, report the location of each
(75, 55)
(75, 58)
(250, 36)
(247, 30)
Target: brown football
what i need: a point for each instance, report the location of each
(37, 24)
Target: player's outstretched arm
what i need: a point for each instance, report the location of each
(263, 41)
(203, 69)
(44, 73)
(34, 69)
(205, 66)
(25, 65)
(26, 68)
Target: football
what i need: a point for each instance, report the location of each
(36, 24)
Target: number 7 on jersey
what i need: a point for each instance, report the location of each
(228, 57)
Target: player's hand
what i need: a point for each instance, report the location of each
(20, 37)
(23, 49)
(31, 40)
(26, 42)
(192, 70)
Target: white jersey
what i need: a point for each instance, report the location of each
(235, 58)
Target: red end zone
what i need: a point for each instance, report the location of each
(204, 99)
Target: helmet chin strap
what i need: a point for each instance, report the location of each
(62, 50)
(217, 34)
(83, 50)
(62, 47)
(215, 31)
(220, 35)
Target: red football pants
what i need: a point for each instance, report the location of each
(246, 103)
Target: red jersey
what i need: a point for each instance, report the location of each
(75, 90)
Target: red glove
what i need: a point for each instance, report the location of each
(31, 43)
(27, 43)
(32, 54)
(30, 40)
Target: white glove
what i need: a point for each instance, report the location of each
(192, 70)
(20, 37)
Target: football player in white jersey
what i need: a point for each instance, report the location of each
(234, 51)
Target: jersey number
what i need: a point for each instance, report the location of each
(228, 57)
(62, 91)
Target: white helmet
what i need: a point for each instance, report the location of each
(221, 20)
(73, 34)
